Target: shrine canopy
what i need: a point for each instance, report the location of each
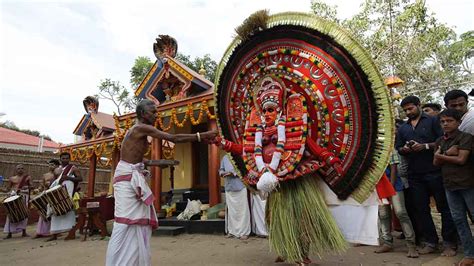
(172, 81)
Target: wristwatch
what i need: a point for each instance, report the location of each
(427, 146)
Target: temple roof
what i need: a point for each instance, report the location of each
(15, 137)
(101, 120)
(193, 82)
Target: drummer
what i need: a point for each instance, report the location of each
(69, 172)
(66, 222)
(18, 185)
(43, 226)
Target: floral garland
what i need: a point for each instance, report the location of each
(82, 155)
(261, 165)
(187, 114)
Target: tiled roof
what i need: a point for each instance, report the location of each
(104, 120)
(20, 138)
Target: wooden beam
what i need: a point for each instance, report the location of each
(115, 160)
(91, 176)
(156, 181)
(213, 164)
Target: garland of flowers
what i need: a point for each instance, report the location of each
(261, 165)
(189, 113)
(82, 155)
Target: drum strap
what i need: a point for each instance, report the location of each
(65, 173)
(23, 181)
(66, 170)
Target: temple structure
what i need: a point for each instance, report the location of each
(185, 105)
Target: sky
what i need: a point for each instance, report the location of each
(55, 53)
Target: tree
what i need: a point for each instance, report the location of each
(206, 62)
(125, 101)
(406, 39)
(116, 93)
(139, 70)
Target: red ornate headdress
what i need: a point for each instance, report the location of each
(270, 91)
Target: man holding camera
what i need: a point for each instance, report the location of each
(416, 141)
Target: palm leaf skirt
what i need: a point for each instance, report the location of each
(300, 223)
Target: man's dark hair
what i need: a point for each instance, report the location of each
(454, 94)
(451, 113)
(410, 99)
(54, 161)
(141, 107)
(65, 153)
(434, 106)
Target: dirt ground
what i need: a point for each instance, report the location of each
(191, 249)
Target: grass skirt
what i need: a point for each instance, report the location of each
(300, 222)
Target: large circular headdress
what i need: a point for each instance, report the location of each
(348, 104)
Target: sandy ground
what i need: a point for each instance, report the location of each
(191, 249)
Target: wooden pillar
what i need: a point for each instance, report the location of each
(156, 181)
(213, 164)
(115, 160)
(91, 176)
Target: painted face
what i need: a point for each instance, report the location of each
(270, 115)
(449, 124)
(412, 111)
(459, 104)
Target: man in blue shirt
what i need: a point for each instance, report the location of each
(238, 212)
(416, 141)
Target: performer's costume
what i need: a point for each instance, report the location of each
(135, 217)
(334, 123)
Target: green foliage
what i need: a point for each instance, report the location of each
(407, 40)
(139, 70)
(324, 10)
(195, 64)
(125, 101)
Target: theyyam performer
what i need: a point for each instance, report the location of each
(304, 112)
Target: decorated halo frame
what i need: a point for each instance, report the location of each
(385, 130)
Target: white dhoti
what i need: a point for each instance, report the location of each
(259, 225)
(237, 218)
(18, 227)
(67, 221)
(357, 222)
(129, 245)
(135, 217)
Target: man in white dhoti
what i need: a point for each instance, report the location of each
(62, 223)
(258, 205)
(135, 215)
(237, 216)
(19, 185)
(357, 221)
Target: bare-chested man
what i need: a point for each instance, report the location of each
(48, 177)
(44, 225)
(135, 215)
(19, 184)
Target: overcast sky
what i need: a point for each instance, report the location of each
(54, 53)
